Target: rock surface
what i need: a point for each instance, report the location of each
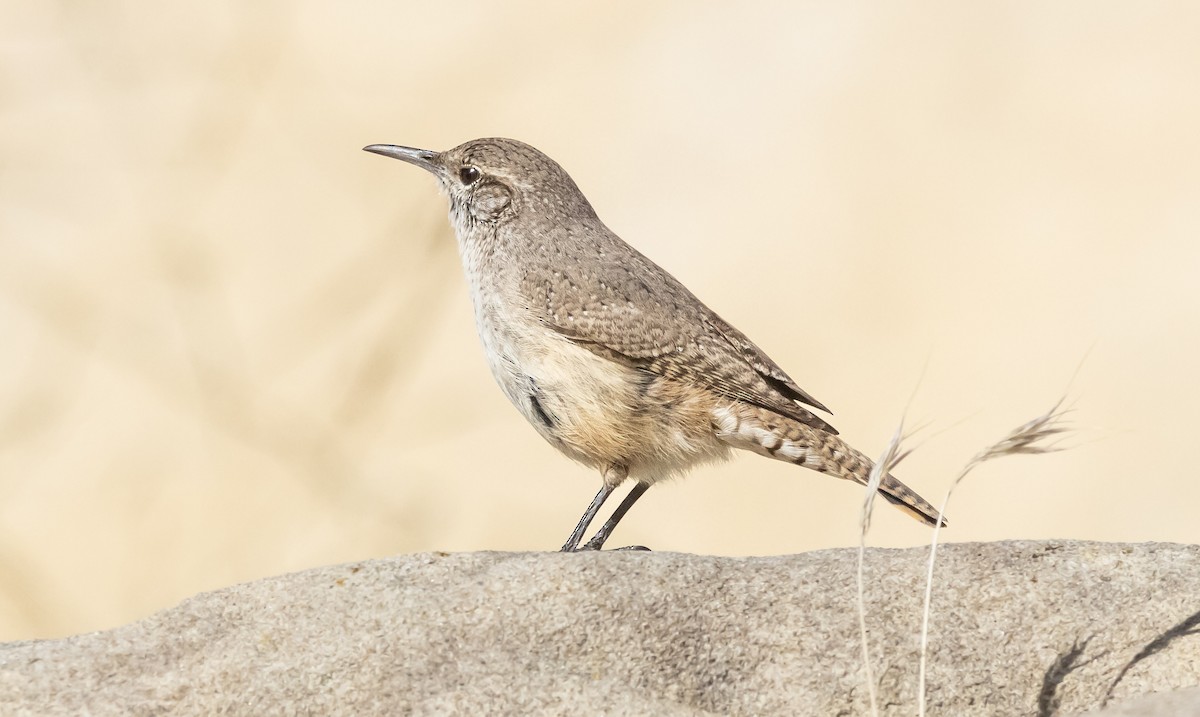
(1184, 703)
(1018, 628)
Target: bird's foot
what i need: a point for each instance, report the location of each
(597, 543)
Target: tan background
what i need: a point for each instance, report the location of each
(232, 344)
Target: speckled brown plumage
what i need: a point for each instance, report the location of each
(608, 356)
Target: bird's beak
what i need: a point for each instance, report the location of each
(423, 158)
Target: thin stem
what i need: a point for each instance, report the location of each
(929, 595)
(891, 456)
(862, 631)
(1031, 438)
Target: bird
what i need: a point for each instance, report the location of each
(608, 356)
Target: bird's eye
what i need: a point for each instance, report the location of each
(468, 175)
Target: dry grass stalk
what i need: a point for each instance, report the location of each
(1032, 438)
(892, 455)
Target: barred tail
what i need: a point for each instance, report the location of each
(906, 499)
(767, 433)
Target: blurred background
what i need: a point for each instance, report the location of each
(232, 344)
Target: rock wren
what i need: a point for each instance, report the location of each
(609, 357)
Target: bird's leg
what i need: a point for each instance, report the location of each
(588, 515)
(606, 530)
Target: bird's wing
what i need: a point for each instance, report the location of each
(636, 313)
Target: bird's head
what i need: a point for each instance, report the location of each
(493, 181)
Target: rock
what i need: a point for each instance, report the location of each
(1184, 703)
(1018, 628)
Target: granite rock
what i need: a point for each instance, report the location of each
(1018, 628)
